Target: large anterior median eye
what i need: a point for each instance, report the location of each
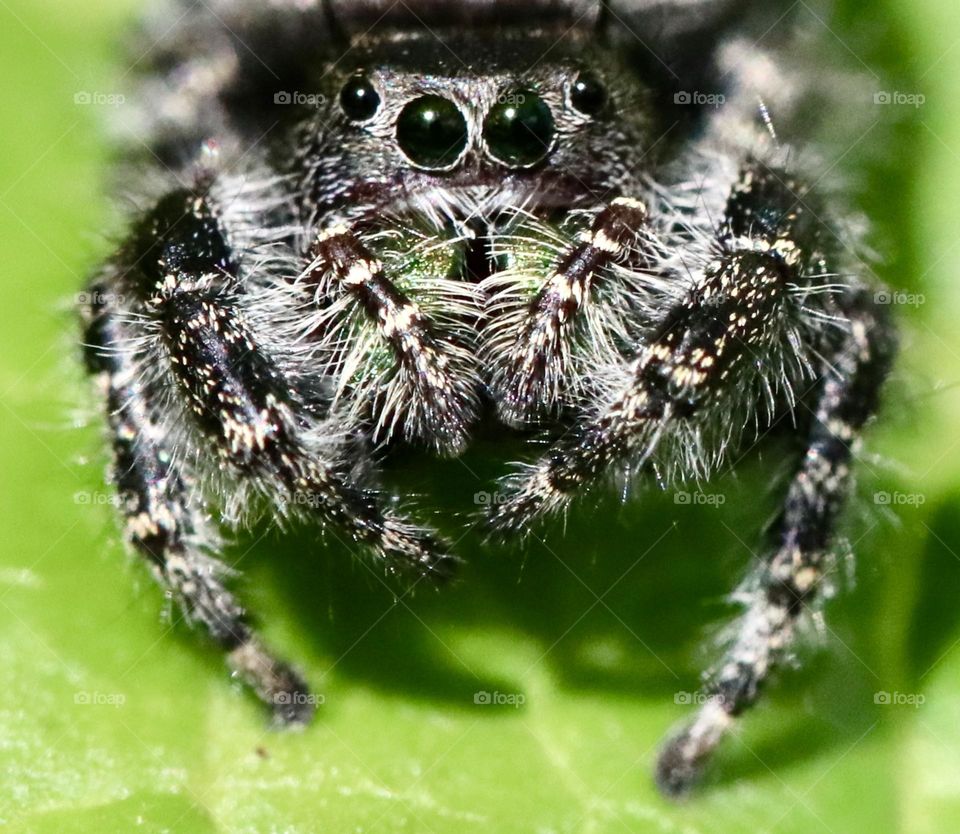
(432, 132)
(519, 130)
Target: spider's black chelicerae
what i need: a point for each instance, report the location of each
(370, 223)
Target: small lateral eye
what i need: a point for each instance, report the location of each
(588, 94)
(359, 99)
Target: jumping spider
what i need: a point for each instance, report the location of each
(378, 223)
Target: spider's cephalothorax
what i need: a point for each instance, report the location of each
(382, 223)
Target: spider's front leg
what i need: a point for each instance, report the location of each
(530, 343)
(182, 334)
(709, 359)
(708, 349)
(789, 580)
(684, 370)
(257, 422)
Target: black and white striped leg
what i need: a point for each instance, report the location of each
(438, 391)
(687, 365)
(530, 372)
(789, 581)
(257, 423)
(701, 353)
(164, 522)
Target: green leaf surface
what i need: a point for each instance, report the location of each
(114, 718)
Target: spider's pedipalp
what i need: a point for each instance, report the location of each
(432, 391)
(529, 340)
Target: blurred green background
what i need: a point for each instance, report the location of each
(115, 719)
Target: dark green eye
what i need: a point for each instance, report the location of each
(587, 94)
(432, 132)
(359, 100)
(519, 130)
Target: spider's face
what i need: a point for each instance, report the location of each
(535, 121)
